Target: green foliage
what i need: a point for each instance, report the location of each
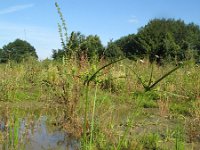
(18, 51)
(147, 99)
(150, 141)
(162, 39)
(168, 38)
(58, 54)
(113, 51)
(130, 46)
(93, 46)
(181, 108)
(79, 45)
(179, 143)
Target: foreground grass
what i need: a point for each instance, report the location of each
(119, 114)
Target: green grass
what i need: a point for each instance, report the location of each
(106, 108)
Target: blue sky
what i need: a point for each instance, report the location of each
(36, 20)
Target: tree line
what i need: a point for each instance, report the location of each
(163, 39)
(160, 40)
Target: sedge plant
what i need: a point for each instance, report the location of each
(149, 86)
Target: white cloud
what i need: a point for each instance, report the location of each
(15, 8)
(133, 20)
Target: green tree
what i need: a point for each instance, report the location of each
(79, 44)
(73, 47)
(93, 46)
(113, 51)
(169, 38)
(4, 55)
(75, 43)
(58, 54)
(129, 45)
(17, 51)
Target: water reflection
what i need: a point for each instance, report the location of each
(37, 135)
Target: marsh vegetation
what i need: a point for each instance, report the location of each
(112, 112)
(140, 92)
